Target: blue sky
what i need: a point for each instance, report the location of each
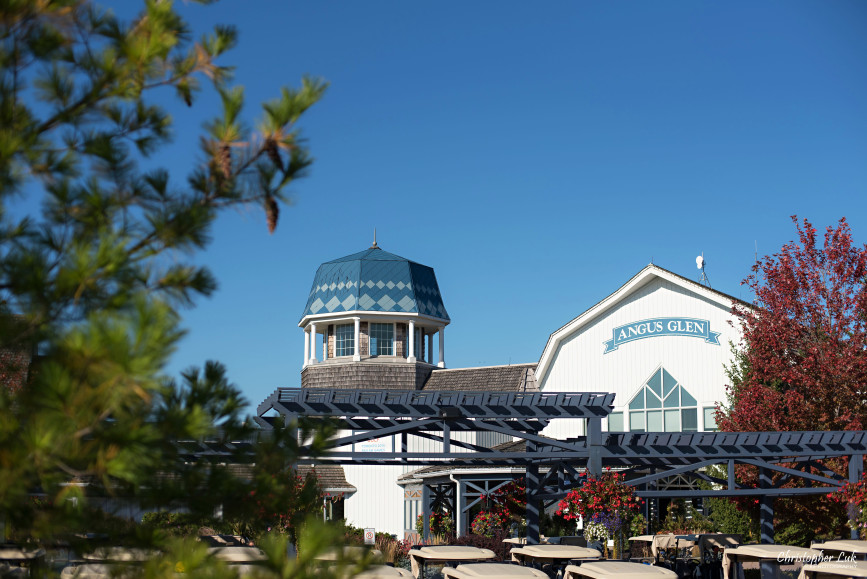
(536, 155)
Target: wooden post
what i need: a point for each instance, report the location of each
(425, 512)
(769, 569)
(856, 465)
(532, 480)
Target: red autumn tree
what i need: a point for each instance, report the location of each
(802, 363)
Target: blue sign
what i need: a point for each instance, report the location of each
(689, 327)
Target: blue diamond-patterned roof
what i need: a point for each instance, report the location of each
(374, 280)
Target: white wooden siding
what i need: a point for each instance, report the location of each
(579, 364)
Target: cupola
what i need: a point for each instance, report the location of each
(374, 307)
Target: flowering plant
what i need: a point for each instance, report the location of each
(854, 496)
(594, 531)
(606, 495)
(487, 524)
(440, 524)
(510, 501)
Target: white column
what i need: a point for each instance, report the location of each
(429, 359)
(306, 347)
(325, 344)
(312, 343)
(356, 357)
(411, 333)
(442, 363)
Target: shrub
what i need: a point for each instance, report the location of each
(183, 524)
(683, 519)
(393, 550)
(487, 524)
(440, 524)
(494, 543)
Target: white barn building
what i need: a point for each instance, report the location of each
(661, 343)
(374, 320)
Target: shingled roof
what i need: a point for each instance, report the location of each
(374, 280)
(331, 477)
(511, 378)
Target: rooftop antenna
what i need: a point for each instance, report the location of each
(374, 246)
(700, 263)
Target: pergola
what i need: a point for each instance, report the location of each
(553, 466)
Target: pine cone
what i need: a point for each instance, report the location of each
(272, 212)
(224, 159)
(273, 154)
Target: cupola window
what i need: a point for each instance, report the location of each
(381, 339)
(344, 340)
(663, 405)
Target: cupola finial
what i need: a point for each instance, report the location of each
(374, 246)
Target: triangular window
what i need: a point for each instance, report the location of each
(663, 405)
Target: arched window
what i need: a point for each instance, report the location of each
(663, 405)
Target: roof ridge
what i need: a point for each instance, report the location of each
(521, 364)
(364, 253)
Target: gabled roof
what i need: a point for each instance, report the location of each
(512, 378)
(643, 277)
(331, 477)
(374, 280)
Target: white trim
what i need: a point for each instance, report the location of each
(393, 340)
(456, 471)
(313, 343)
(365, 314)
(349, 322)
(356, 351)
(442, 347)
(410, 334)
(642, 278)
(703, 406)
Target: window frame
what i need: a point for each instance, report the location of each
(666, 407)
(370, 338)
(344, 340)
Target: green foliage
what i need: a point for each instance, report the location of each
(728, 518)
(637, 525)
(274, 502)
(96, 278)
(554, 525)
(683, 519)
(183, 524)
(440, 523)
